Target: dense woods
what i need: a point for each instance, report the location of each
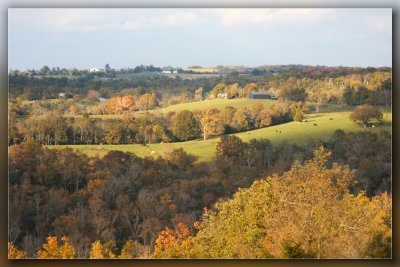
(123, 203)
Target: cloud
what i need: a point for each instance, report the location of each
(177, 19)
(271, 17)
(379, 22)
(92, 20)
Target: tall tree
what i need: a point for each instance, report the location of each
(210, 122)
(186, 126)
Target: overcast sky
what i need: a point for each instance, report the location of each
(85, 38)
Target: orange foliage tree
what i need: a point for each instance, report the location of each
(173, 243)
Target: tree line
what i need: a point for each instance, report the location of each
(52, 128)
(368, 85)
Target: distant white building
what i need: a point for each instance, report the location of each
(222, 95)
(61, 95)
(175, 71)
(102, 99)
(94, 70)
(167, 72)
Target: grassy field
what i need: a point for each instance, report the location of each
(203, 69)
(191, 76)
(297, 132)
(214, 103)
(51, 101)
(103, 117)
(199, 105)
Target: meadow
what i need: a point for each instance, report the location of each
(314, 126)
(203, 69)
(214, 103)
(198, 105)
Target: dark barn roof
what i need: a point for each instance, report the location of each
(259, 95)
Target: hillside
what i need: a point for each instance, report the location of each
(198, 105)
(318, 126)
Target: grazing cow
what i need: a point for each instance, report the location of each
(315, 124)
(331, 118)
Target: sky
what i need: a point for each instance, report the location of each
(181, 37)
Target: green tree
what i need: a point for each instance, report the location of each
(230, 146)
(241, 120)
(186, 126)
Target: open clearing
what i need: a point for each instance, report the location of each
(296, 132)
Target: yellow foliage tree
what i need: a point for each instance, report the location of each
(103, 251)
(53, 250)
(96, 251)
(211, 123)
(132, 249)
(307, 212)
(14, 252)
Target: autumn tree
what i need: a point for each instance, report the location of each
(298, 109)
(233, 90)
(210, 123)
(248, 88)
(307, 212)
(14, 252)
(147, 101)
(265, 117)
(127, 103)
(293, 93)
(132, 249)
(53, 250)
(173, 243)
(365, 115)
(219, 88)
(93, 95)
(103, 251)
(317, 95)
(198, 94)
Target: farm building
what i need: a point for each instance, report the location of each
(259, 95)
(94, 70)
(63, 95)
(222, 95)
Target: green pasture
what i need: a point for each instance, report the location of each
(314, 126)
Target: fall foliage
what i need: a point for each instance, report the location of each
(55, 250)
